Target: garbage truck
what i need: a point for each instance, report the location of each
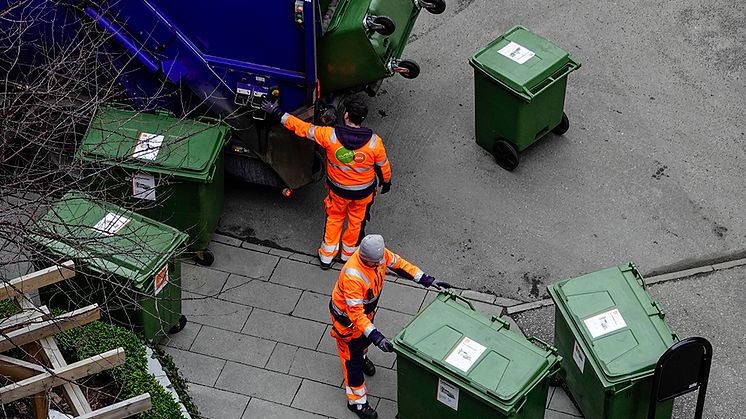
(223, 58)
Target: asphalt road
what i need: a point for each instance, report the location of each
(651, 170)
(710, 306)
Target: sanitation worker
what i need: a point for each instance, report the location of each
(356, 163)
(352, 308)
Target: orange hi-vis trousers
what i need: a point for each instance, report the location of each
(357, 213)
(352, 353)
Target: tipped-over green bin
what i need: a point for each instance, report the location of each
(453, 362)
(610, 334)
(125, 262)
(519, 85)
(166, 168)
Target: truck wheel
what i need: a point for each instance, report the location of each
(204, 257)
(407, 68)
(435, 7)
(506, 156)
(380, 24)
(563, 126)
(178, 327)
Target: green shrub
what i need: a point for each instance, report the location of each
(98, 337)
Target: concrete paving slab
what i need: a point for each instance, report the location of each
(305, 276)
(478, 296)
(429, 297)
(401, 297)
(328, 343)
(231, 241)
(201, 280)
(258, 382)
(217, 404)
(317, 366)
(243, 262)
(183, 339)
(233, 346)
(282, 358)
(213, 312)
(196, 368)
(551, 414)
(325, 399)
(488, 310)
(280, 253)
(261, 294)
(383, 384)
(386, 409)
(301, 257)
(391, 322)
(560, 402)
(283, 328)
(313, 306)
(255, 247)
(267, 410)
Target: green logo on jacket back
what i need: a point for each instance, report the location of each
(344, 155)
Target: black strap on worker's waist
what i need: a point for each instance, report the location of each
(341, 319)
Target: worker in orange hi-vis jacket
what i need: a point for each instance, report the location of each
(352, 308)
(355, 159)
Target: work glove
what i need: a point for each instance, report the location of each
(380, 340)
(385, 187)
(429, 281)
(272, 108)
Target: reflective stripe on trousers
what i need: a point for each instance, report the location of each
(352, 356)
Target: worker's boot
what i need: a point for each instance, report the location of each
(323, 265)
(369, 368)
(363, 411)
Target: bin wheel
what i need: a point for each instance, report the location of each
(435, 7)
(383, 25)
(506, 155)
(178, 327)
(204, 257)
(563, 126)
(407, 68)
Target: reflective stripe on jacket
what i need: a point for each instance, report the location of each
(355, 295)
(351, 173)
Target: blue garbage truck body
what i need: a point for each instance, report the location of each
(224, 57)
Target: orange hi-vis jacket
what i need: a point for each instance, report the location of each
(355, 296)
(351, 174)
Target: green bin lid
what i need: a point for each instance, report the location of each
(523, 61)
(158, 143)
(107, 239)
(616, 319)
(496, 364)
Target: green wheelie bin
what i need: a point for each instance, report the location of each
(166, 168)
(364, 40)
(520, 80)
(453, 362)
(125, 262)
(610, 334)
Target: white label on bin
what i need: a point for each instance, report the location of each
(578, 356)
(465, 354)
(111, 224)
(147, 146)
(604, 323)
(447, 394)
(161, 279)
(516, 52)
(143, 186)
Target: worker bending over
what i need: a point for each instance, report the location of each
(355, 158)
(352, 308)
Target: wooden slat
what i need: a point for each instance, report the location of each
(25, 316)
(59, 376)
(36, 280)
(49, 327)
(123, 409)
(70, 391)
(17, 369)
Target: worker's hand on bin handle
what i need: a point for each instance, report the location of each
(429, 281)
(272, 108)
(380, 340)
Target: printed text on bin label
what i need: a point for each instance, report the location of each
(147, 146)
(111, 224)
(447, 394)
(465, 354)
(604, 323)
(516, 52)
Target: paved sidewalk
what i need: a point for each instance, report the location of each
(257, 341)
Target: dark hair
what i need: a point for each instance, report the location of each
(356, 110)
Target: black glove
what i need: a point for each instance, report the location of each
(429, 281)
(385, 187)
(380, 340)
(272, 108)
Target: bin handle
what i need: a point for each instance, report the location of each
(520, 405)
(539, 342)
(458, 297)
(567, 69)
(625, 388)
